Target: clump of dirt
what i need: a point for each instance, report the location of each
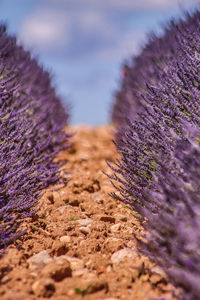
(80, 244)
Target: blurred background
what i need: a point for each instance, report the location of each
(84, 42)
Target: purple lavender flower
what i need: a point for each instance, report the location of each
(157, 113)
(152, 67)
(173, 239)
(173, 99)
(32, 121)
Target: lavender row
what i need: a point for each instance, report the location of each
(157, 112)
(32, 121)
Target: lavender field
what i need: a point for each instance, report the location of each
(47, 167)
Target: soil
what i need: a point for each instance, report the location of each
(80, 244)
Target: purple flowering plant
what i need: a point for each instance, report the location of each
(152, 66)
(32, 121)
(158, 116)
(164, 107)
(173, 238)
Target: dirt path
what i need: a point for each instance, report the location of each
(80, 245)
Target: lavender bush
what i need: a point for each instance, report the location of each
(154, 62)
(32, 121)
(164, 108)
(173, 239)
(158, 117)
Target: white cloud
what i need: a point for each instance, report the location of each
(128, 45)
(124, 4)
(79, 27)
(152, 4)
(45, 30)
(91, 21)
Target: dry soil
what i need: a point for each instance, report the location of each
(80, 245)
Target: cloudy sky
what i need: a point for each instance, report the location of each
(84, 42)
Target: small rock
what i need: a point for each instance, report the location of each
(107, 219)
(97, 285)
(61, 209)
(65, 239)
(129, 230)
(108, 269)
(39, 260)
(122, 254)
(115, 228)
(155, 278)
(121, 217)
(112, 244)
(75, 263)
(79, 272)
(34, 274)
(131, 244)
(88, 263)
(35, 287)
(57, 270)
(63, 193)
(71, 292)
(56, 196)
(158, 271)
(83, 156)
(59, 248)
(85, 230)
(96, 196)
(144, 277)
(84, 222)
(44, 288)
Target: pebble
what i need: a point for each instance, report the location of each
(71, 292)
(85, 222)
(108, 269)
(158, 271)
(56, 196)
(121, 217)
(65, 239)
(96, 196)
(62, 193)
(75, 263)
(44, 287)
(39, 260)
(59, 248)
(115, 228)
(83, 156)
(34, 274)
(131, 244)
(79, 272)
(123, 253)
(129, 230)
(61, 209)
(85, 230)
(35, 287)
(155, 278)
(88, 263)
(58, 269)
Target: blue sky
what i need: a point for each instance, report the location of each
(84, 42)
